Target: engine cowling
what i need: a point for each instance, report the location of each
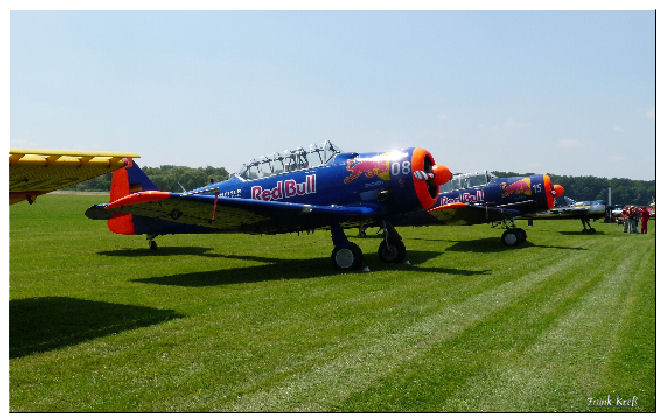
(427, 176)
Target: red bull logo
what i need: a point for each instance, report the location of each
(465, 197)
(285, 189)
(521, 186)
(370, 168)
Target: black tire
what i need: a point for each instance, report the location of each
(347, 258)
(153, 246)
(510, 237)
(592, 231)
(392, 252)
(521, 234)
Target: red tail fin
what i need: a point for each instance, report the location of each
(122, 224)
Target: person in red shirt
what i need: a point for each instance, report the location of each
(644, 218)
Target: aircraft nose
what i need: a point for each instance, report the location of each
(442, 174)
(559, 191)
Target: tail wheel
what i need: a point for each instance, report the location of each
(510, 237)
(392, 250)
(348, 257)
(153, 245)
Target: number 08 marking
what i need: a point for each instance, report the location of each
(398, 168)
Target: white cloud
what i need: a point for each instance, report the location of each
(511, 123)
(618, 128)
(569, 143)
(651, 113)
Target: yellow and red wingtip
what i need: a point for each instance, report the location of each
(139, 198)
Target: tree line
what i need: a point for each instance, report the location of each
(584, 188)
(588, 188)
(165, 177)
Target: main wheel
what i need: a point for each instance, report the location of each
(510, 237)
(347, 258)
(392, 251)
(521, 234)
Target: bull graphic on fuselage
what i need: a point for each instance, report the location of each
(522, 186)
(370, 168)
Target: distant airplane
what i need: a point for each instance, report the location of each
(481, 197)
(35, 172)
(297, 190)
(586, 211)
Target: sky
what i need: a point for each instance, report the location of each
(564, 92)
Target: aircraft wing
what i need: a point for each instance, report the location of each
(229, 214)
(34, 172)
(594, 212)
(464, 214)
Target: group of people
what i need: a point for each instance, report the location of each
(632, 215)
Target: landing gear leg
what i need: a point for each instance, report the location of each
(346, 255)
(392, 248)
(585, 230)
(153, 243)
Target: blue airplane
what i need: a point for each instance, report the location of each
(298, 190)
(481, 197)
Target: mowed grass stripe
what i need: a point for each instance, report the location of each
(377, 354)
(569, 352)
(631, 361)
(456, 365)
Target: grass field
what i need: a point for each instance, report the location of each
(264, 323)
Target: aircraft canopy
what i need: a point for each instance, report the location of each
(468, 180)
(289, 161)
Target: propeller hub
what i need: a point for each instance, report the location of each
(442, 174)
(559, 190)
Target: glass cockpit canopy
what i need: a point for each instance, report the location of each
(289, 161)
(468, 180)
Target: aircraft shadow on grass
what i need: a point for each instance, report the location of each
(491, 244)
(165, 251)
(48, 323)
(283, 268)
(579, 233)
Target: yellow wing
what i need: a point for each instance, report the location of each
(34, 172)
